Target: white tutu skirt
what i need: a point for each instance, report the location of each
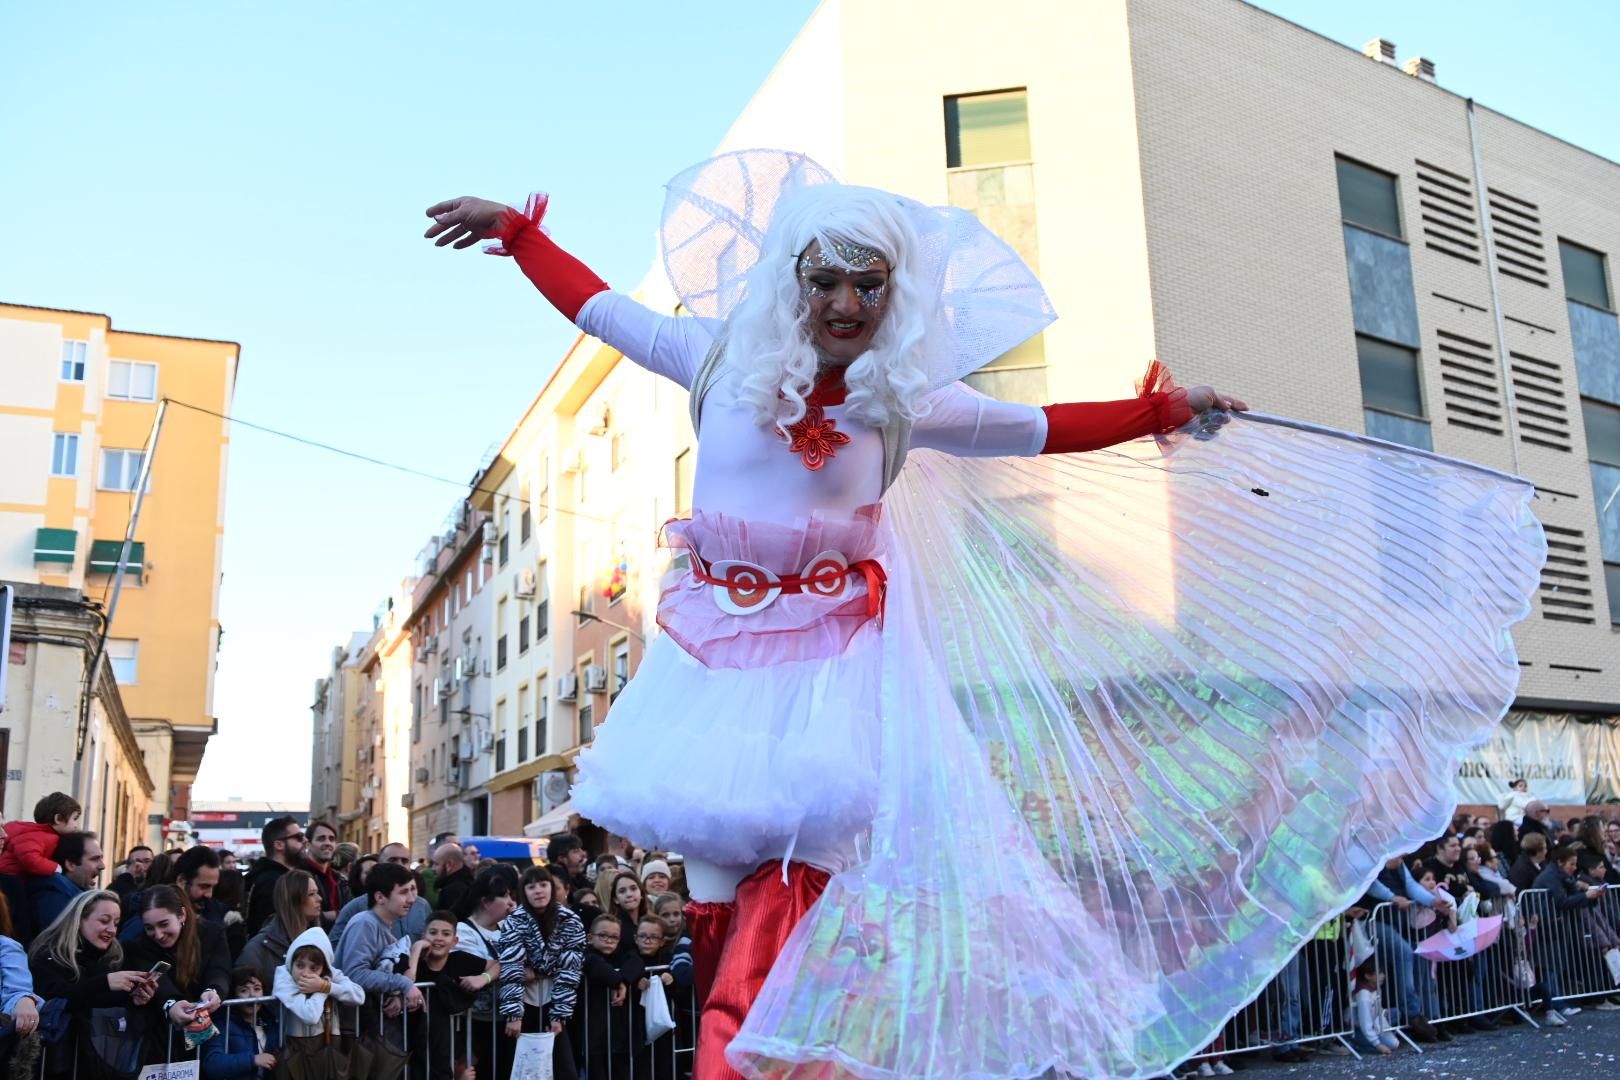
(747, 737)
(1144, 720)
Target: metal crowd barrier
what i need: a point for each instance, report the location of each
(670, 1057)
(1304, 1004)
(1575, 953)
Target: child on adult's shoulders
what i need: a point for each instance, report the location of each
(30, 846)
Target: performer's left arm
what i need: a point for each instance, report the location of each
(966, 423)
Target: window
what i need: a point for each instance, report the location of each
(1367, 198)
(525, 529)
(587, 604)
(506, 534)
(542, 501)
(131, 380)
(416, 714)
(124, 653)
(986, 129)
(523, 635)
(500, 735)
(542, 716)
(542, 610)
(64, 454)
(685, 466)
(587, 717)
(73, 360)
(1602, 431)
(121, 470)
(1584, 277)
(1603, 447)
(621, 670)
(500, 635)
(522, 724)
(1391, 393)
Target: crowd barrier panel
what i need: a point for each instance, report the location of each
(1303, 1004)
(1576, 952)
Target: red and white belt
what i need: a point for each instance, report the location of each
(743, 588)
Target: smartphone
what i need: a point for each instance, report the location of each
(159, 969)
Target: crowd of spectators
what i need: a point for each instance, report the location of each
(458, 956)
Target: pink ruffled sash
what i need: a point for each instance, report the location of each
(752, 625)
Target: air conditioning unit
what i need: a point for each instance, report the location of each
(523, 584)
(553, 788)
(452, 775)
(442, 688)
(472, 663)
(568, 686)
(486, 741)
(603, 422)
(421, 654)
(595, 679)
(407, 800)
(572, 460)
(421, 774)
(466, 748)
(431, 644)
(491, 534)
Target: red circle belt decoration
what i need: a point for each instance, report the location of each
(743, 588)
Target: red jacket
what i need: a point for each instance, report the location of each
(30, 849)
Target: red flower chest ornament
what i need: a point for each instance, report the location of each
(814, 437)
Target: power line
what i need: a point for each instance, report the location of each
(396, 466)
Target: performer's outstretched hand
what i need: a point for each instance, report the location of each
(463, 222)
(1200, 398)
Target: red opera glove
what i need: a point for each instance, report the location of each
(560, 277)
(1159, 407)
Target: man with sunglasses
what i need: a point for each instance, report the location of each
(283, 841)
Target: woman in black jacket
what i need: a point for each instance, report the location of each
(198, 976)
(77, 959)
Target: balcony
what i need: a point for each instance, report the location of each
(56, 546)
(104, 558)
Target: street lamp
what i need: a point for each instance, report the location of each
(592, 617)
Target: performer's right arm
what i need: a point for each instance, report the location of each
(668, 346)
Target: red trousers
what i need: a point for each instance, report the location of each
(761, 918)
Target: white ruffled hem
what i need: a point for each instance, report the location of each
(751, 764)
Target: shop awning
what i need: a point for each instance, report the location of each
(56, 546)
(552, 822)
(104, 558)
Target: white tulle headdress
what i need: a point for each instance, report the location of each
(982, 300)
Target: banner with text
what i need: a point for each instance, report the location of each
(1543, 748)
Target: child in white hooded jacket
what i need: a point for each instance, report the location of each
(306, 980)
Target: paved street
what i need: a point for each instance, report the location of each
(1589, 1046)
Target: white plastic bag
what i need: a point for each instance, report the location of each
(1612, 958)
(532, 1060)
(656, 1005)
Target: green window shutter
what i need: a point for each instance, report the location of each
(104, 558)
(55, 546)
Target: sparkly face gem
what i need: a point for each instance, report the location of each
(845, 289)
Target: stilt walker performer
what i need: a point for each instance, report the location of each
(1009, 741)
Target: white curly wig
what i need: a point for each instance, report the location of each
(769, 337)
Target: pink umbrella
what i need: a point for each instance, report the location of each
(1473, 936)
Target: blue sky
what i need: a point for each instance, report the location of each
(257, 172)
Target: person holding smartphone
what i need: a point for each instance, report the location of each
(188, 962)
(78, 959)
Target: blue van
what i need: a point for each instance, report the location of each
(518, 851)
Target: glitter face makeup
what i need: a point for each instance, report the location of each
(846, 291)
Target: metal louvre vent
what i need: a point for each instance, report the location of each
(1566, 583)
(1539, 402)
(1469, 383)
(1446, 205)
(1521, 249)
